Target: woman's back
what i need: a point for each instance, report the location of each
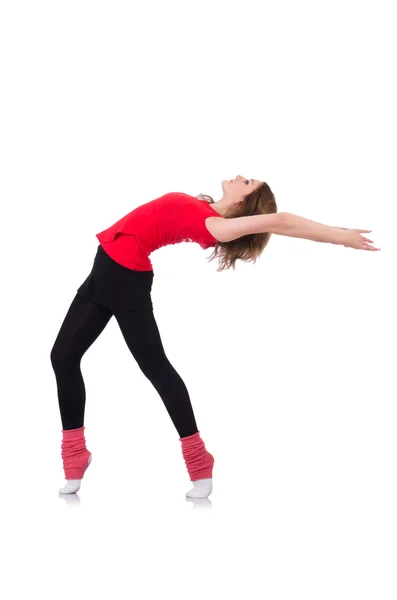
(170, 219)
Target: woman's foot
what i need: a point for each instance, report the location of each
(202, 488)
(73, 485)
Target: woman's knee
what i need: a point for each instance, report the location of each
(57, 358)
(151, 361)
(62, 357)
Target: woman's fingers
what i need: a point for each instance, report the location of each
(354, 239)
(366, 245)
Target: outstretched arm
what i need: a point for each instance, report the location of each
(287, 224)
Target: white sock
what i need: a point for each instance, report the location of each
(73, 485)
(202, 488)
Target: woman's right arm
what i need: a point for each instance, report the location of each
(286, 224)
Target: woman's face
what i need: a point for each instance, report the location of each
(240, 186)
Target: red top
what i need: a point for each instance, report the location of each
(173, 218)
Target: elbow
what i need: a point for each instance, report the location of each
(283, 217)
(282, 223)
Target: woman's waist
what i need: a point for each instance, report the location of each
(107, 261)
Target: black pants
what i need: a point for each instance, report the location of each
(111, 289)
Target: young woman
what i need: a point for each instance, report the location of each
(238, 227)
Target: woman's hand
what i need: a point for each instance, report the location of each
(352, 238)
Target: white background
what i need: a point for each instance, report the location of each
(289, 363)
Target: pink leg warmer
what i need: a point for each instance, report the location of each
(74, 453)
(199, 461)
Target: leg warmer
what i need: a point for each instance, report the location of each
(199, 461)
(74, 453)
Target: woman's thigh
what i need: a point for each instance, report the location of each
(84, 322)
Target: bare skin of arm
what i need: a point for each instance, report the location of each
(290, 225)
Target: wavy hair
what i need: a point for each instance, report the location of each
(249, 247)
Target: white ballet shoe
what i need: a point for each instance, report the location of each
(202, 488)
(73, 485)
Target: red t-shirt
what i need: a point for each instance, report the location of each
(173, 218)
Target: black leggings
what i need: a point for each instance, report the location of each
(111, 289)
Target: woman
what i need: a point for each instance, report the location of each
(239, 227)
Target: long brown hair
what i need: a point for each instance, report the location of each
(248, 247)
